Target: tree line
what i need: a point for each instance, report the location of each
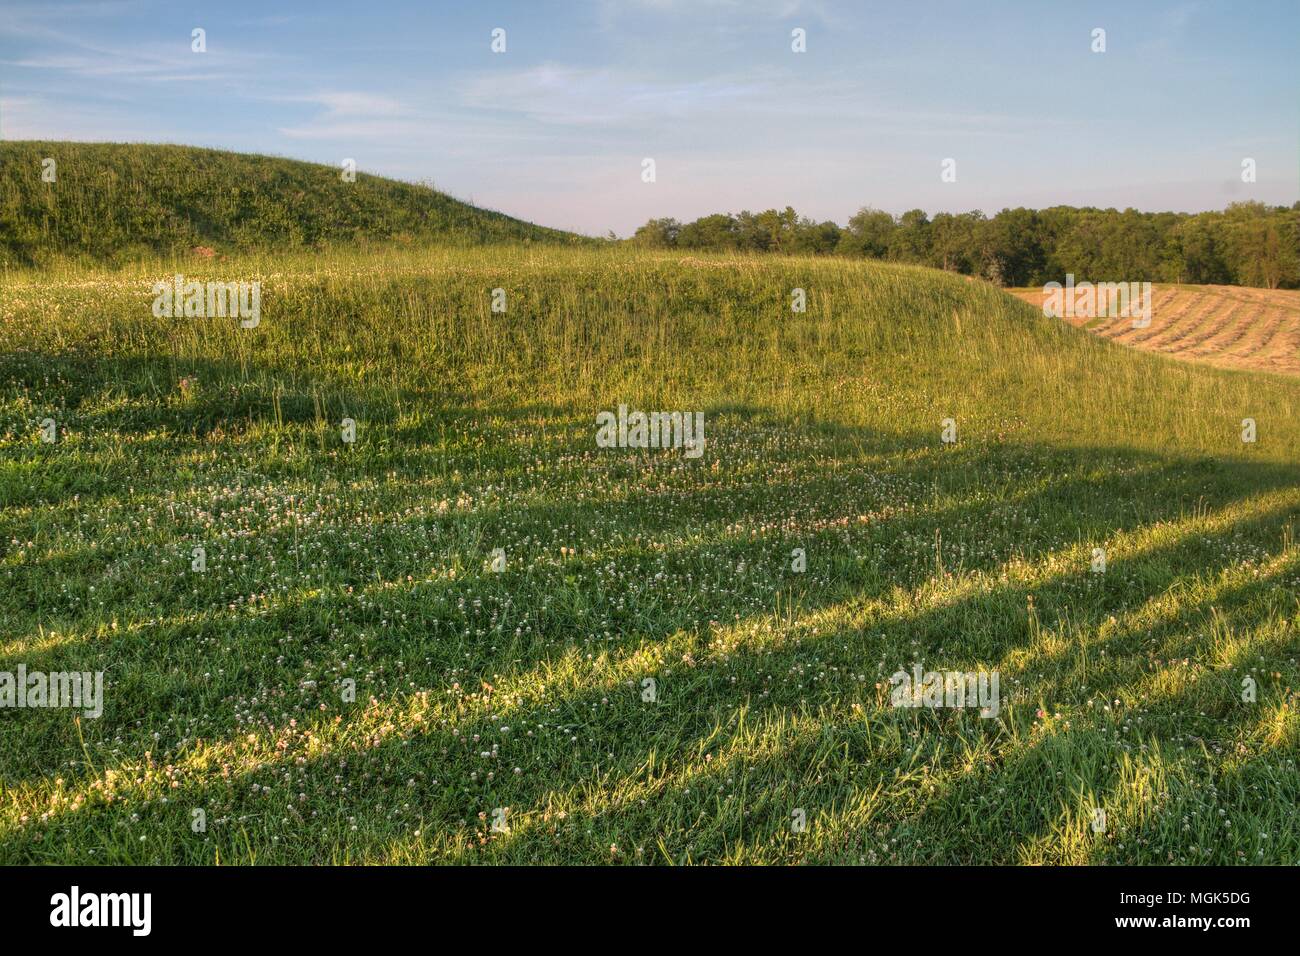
(1249, 243)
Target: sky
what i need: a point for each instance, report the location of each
(555, 129)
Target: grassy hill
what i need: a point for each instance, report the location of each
(117, 202)
(347, 679)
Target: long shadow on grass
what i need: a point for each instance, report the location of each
(635, 524)
(1209, 704)
(1094, 496)
(637, 725)
(1176, 483)
(807, 505)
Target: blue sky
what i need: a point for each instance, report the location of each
(555, 129)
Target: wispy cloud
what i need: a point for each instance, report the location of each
(61, 46)
(553, 93)
(32, 117)
(147, 68)
(352, 103)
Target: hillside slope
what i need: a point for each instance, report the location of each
(116, 202)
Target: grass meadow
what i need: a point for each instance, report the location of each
(516, 697)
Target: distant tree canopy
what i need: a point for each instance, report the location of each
(1249, 243)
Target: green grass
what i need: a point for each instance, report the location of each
(116, 203)
(478, 690)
